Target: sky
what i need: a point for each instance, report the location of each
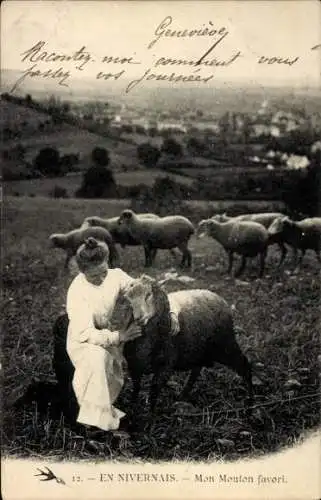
(255, 28)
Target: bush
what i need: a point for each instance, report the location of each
(100, 156)
(164, 198)
(195, 146)
(302, 195)
(67, 162)
(58, 192)
(98, 182)
(48, 162)
(172, 147)
(148, 154)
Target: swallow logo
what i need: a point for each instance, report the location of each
(49, 476)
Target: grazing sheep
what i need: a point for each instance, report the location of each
(119, 232)
(163, 232)
(72, 240)
(206, 336)
(264, 218)
(301, 235)
(248, 239)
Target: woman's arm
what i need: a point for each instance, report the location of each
(81, 322)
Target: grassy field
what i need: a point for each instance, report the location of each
(279, 314)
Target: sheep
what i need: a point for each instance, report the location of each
(164, 232)
(264, 218)
(72, 240)
(248, 239)
(206, 336)
(301, 235)
(119, 232)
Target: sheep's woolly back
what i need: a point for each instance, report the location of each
(161, 232)
(112, 223)
(198, 310)
(95, 221)
(264, 218)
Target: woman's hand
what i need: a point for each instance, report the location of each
(131, 333)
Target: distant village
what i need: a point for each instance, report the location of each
(256, 128)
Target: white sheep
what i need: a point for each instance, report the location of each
(300, 235)
(264, 218)
(160, 233)
(120, 232)
(247, 239)
(71, 241)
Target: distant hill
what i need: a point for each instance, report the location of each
(67, 138)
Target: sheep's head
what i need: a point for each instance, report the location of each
(145, 297)
(203, 228)
(126, 217)
(279, 225)
(57, 240)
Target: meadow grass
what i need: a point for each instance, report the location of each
(279, 315)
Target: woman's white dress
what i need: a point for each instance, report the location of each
(94, 349)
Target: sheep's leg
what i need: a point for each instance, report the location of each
(68, 258)
(262, 262)
(303, 250)
(242, 267)
(148, 260)
(230, 261)
(153, 253)
(234, 358)
(295, 255)
(189, 258)
(190, 382)
(114, 256)
(284, 251)
(299, 261)
(186, 255)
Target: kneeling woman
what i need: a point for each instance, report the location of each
(95, 350)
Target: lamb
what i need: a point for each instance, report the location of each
(163, 232)
(207, 335)
(264, 218)
(72, 240)
(119, 232)
(248, 239)
(301, 235)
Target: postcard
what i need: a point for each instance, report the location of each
(161, 251)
